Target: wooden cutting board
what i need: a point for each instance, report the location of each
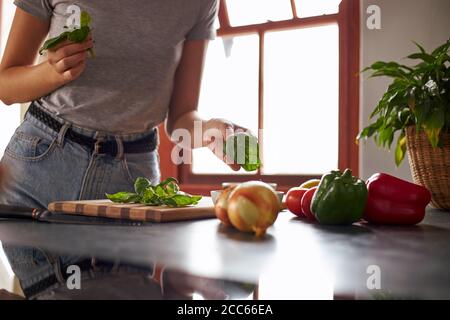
(135, 212)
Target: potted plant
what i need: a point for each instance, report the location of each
(416, 110)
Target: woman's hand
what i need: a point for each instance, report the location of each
(21, 80)
(68, 60)
(225, 128)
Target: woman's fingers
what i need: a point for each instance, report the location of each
(70, 62)
(74, 72)
(69, 59)
(68, 49)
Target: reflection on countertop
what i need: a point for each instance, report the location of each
(205, 260)
(87, 278)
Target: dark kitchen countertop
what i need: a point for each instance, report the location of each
(296, 259)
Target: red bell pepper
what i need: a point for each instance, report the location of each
(395, 201)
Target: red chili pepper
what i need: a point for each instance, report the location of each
(395, 201)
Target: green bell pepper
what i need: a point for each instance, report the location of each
(340, 199)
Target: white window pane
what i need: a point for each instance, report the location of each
(244, 12)
(217, 24)
(311, 8)
(301, 101)
(229, 91)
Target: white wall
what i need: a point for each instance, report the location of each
(9, 115)
(424, 21)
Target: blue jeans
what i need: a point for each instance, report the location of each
(42, 166)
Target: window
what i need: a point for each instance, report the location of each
(288, 67)
(9, 116)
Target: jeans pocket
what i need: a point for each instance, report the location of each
(30, 146)
(142, 165)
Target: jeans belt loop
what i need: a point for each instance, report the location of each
(62, 134)
(99, 139)
(120, 148)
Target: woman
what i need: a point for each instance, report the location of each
(147, 69)
(91, 127)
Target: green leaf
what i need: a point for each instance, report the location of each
(441, 49)
(171, 203)
(400, 150)
(186, 200)
(167, 181)
(166, 193)
(420, 47)
(52, 43)
(160, 192)
(244, 149)
(141, 184)
(385, 137)
(434, 125)
(124, 197)
(79, 35)
(150, 198)
(423, 56)
(421, 111)
(85, 19)
(172, 188)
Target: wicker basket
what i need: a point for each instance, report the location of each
(430, 167)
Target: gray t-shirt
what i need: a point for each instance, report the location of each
(138, 45)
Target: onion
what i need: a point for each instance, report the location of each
(253, 207)
(221, 207)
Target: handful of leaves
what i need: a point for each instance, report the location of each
(77, 35)
(166, 193)
(243, 148)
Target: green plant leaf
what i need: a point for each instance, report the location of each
(418, 95)
(166, 193)
(385, 137)
(183, 200)
(52, 43)
(78, 35)
(243, 144)
(167, 181)
(85, 19)
(172, 188)
(124, 197)
(441, 49)
(141, 184)
(433, 126)
(420, 47)
(160, 192)
(422, 111)
(400, 150)
(423, 56)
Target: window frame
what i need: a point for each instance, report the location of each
(348, 21)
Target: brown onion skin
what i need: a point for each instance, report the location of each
(253, 207)
(221, 207)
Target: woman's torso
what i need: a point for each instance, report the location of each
(127, 87)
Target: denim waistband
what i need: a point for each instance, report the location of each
(84, 131)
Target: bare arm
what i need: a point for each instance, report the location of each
(21, 80)
(186, 92)
(184, 105)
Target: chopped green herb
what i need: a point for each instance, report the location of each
(166, 193)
